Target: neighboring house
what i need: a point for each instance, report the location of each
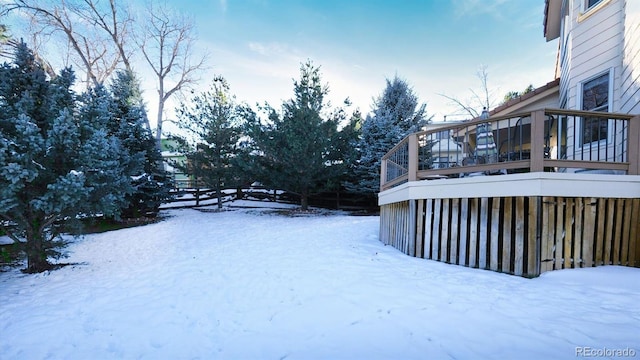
(171, 157)
(445, 151)
(546, 96)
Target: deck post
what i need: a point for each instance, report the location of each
(539, 234)
(413, 157)
(634, 146)
(383, 173)
(537, 141)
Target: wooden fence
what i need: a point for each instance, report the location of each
(525, 236)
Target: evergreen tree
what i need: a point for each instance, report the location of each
(214, 122)
(345, 144)
(396, 114)
(141, 158)
(109, 187)
(296, 146)
(243, 164)
(57, 162)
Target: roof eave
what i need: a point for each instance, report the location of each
(552, 12)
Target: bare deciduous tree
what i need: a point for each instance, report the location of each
(484, 98)
(167, 45)
(8, 46)
(100, 38)
(116, 22)
(97, 35)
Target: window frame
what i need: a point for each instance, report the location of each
(587, 11)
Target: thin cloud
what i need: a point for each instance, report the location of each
(275, 53)
(492, 8)
(275, 58)
(269, 49)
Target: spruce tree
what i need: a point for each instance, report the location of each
(141, 157)
(214, 122)
(244, 163)
(296, 145)
(346, 144)
(396, 114)
(57, 162)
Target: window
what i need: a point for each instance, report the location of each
(444, 134)
(595, 97)
(441, 162)
(592, 3)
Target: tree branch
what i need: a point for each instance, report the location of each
(470, 110)
(97, 35)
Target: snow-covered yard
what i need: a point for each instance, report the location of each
(254, 284)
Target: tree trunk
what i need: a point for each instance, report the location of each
(159, 119)
(36, 256)
(304, 202)
(219, 194)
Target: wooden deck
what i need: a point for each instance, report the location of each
(549, 214)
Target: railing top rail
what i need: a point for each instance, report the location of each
(473, 123)
(600, 114)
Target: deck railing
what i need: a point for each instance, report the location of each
(543, 140)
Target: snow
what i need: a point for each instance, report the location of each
(5, 240)
(139, 177)
(250, 283)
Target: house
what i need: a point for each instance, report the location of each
(172, 160)
(566, 193)
(598, 59)
(598, 64)
(449, 152)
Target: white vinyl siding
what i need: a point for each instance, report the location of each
(630, 75)
(603, 28)
(595, 41)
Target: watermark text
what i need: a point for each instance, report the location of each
(586, 351)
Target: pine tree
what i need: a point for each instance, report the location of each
(396, 114)
(295, 146)
(57, 162)
(214, 121)
(346, 145)
(244, 163)
(141, 158)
